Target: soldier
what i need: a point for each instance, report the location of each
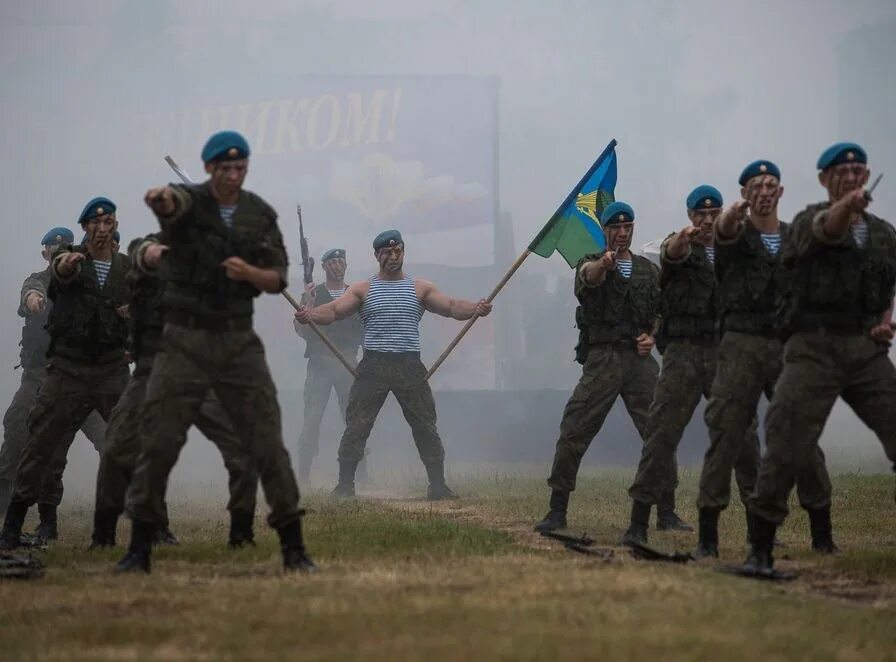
(841, 263)
(87, 368)
(688, 340)
(750, 353)
(325, 372)
(33, 306)
(391, 305)
(225, 249)
(117, 463)
(619, 303)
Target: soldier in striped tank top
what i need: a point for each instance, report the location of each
(391, 304)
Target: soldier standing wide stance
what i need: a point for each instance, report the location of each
(619, 304)
(688, 340)
(391, 305)
(117, 463)
(34, 307)
(750, 281)
(325, 372)
(224, 250)
(87, 368)
(841, 262)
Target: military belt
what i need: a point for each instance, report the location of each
(832, 324)
(373, 354)
(209, 322)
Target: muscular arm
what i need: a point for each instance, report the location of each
(441, 304)
(345, 306)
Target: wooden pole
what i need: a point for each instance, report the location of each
(470, 322)
(320, 334)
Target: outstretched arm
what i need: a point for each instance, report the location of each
(345, 306)
(441, 304)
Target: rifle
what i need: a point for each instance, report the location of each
(286, 295)
(307, 260)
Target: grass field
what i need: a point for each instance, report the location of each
(405, 579)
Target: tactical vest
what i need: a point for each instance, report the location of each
(147, 313)
(618, 310)
(199, 242)
(35, 339)
(688, 297)
(749, 279)
(841, 286)
(84, 323)
(346, 334)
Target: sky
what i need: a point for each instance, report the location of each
(692, 90)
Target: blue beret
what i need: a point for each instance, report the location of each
(388, 238)
(704, 197)
(760, 167)
(617, 212)
(96, 207)
(333, 253)
(225, 146)
(841, 153)
(57, 236)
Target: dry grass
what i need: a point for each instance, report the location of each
(464, 580)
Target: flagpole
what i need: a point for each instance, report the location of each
(470, 322)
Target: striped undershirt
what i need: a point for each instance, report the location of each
(391, 314)
(102, 267)
(227, 212)
(335, 294)
(859, 231)
(772, 241)
(624, 267)
(710, 254)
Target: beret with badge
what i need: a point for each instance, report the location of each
(841, 153)
(225, 146)
(58, 235)
(760, 167)
(97, 207)
(333, 254)
(617, 212)
(387, 239)
(704, 197)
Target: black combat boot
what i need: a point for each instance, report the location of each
(241, 532)
(760, 560)
(636, 533)
(104, 524)
(346, 486)
(137, 557)
(820, 527)
(11, 535)
(48, 529)
(666, 517)
(437, 490)
(295, 558)
(556, 517)
(708, 538)
(363, 477)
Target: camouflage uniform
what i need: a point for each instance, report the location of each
(325, 373)
(688, 339)
(33, 357)
(750, 358)
(208, 344)
(117, 464)
(840, 290)
(87, 371)
(404, 375)
(610, 316)
(749, 364)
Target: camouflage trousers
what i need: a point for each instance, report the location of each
(324, 374)
(117, 463)
(610, 371)
(190, 363)
(817, 369)
(71, 391)
(404, 375)
(749, 365)
(15, 436)
(689, 368)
